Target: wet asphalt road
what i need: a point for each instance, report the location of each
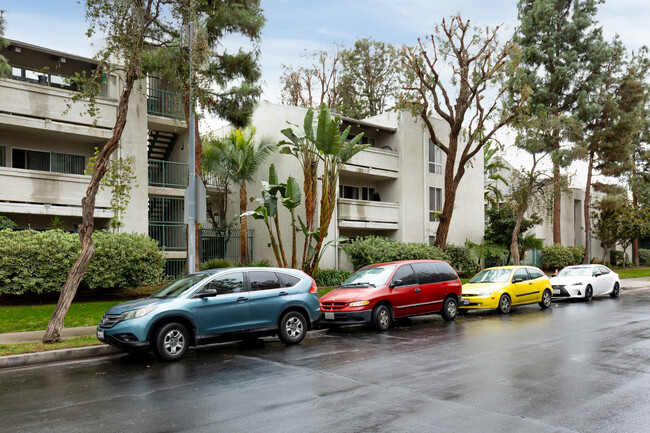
(575, 367)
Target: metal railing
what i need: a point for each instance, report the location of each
(170, 236)
(175, 267)
(168, 173)
(222, 244)
(164, 103)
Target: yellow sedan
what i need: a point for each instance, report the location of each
(505, 287)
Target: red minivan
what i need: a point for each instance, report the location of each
(377, 294)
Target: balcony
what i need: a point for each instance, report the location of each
(380, 163)
(370, 215)
(164, 104)
(48, 193)
(170, 174)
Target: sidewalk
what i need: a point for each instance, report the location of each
(103, 350)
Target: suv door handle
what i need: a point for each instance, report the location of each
(417, 290)
(283, 293)
(242, 299)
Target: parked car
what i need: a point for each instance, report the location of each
(585, 281)
(377, 294)
(504, 287)
(215, 305)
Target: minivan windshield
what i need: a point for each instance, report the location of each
(492, 276)
(371, 276)
(582, 271)
(179, 286)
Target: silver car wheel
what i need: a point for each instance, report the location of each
(174, 342)
(294, 327)
(384, 318)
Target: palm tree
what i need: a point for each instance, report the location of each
(239, 156)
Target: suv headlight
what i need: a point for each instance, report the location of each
(359, 303)
(134, 314)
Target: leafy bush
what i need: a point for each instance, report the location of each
(462, 258)
(215, 264)
(558, 256)
(373, 249)
(644, 257)
(331, 277)
(616, 258)
(39, 262)
(6, 223)
(259, 264)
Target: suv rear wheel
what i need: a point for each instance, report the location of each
(293, 327)
(171, 342)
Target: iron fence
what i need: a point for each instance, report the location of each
(164, 103)
(168, 173)
(170, 236)
(222, 244)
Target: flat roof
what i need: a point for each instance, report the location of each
(390, 129)
(45, 50)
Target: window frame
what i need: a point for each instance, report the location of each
(435, 203)
(435, 158)
(250, 282)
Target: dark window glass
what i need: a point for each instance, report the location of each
(229, 283)
(435, 203)
(535, 273)
(603, 270)
(520, 273)
(30, 159)
(289, 280)
(446, 272)
(71, 164)
(406, 274)
(263, 280)
(427, 272)
(3, 156)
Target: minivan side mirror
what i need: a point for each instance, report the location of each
(395, 283)
(207, 293)
(517, 280)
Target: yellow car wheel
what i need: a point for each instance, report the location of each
(505, 304)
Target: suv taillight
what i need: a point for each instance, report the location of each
(314, 287)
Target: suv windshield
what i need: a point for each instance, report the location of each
(492, 276)
(179, 286)
(582, 271)
(371, 276)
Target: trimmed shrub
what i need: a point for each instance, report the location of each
(558, 256)
(644, 257)
(331, 277)
(39, 262)
(215, 264)
(6, 223)
(373, 249)
(616, 258)
(461, 258)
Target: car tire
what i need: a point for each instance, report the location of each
(381, 318)
(546, 300)
(171, 342)
(293, 328)
(505, 304)
(616, 290)
(589, 293)
(449, 309)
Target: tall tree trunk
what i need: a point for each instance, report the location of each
(53, 332)
(451, 187)
(243, 239)
(635, 242)
(587, 256)
(557, 204)
(514, 245)
(198, 152)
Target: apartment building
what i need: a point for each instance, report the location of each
(394, 188)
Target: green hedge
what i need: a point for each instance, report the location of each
(373, 249)
(616, 258)
(558, 256)
(462, 258)
(331, 277)
(39, 262)
(644, 257)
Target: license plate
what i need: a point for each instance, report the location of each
(557, 292)
(464, 302)
(100, 334)
(329, 316)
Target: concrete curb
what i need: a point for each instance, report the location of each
(29, 359)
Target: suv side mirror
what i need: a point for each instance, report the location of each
(207, 293)
(517, 280)
(395, 283)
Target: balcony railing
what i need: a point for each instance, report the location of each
(164, 103)
(170, 236)
(168, 174)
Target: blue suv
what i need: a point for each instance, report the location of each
(215, 305)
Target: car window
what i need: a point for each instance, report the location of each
(406, 274)
(176, 288)
(520, 273)
(263, 280)
(501, 275)
(427, 272)
(575, 271)
(535, 273)
(229, 283)
(288, 280)
(595, 271)
(446, 272)
(603, 270)
(370, 276)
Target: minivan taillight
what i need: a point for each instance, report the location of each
(314, 287)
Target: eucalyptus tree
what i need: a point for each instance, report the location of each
(493, 165)
(473, 102)
(561, 53)
(240, 155)
(315, 84)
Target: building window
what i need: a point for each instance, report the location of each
(368, 140)
(435, 158)
(3, 156)
(358, 193)
(432, 240)
(71, 164)
(46, 161)
(435, 203)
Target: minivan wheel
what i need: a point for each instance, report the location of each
(546, 300)
(381, 318)
(504, 304)
(449, 309)
(615, 291)
(293, 328)
(171, 342)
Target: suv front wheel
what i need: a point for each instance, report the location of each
(293, 327)
(171, 342)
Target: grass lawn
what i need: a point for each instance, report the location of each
(633, 272)
(21, 318)
(19, 348)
